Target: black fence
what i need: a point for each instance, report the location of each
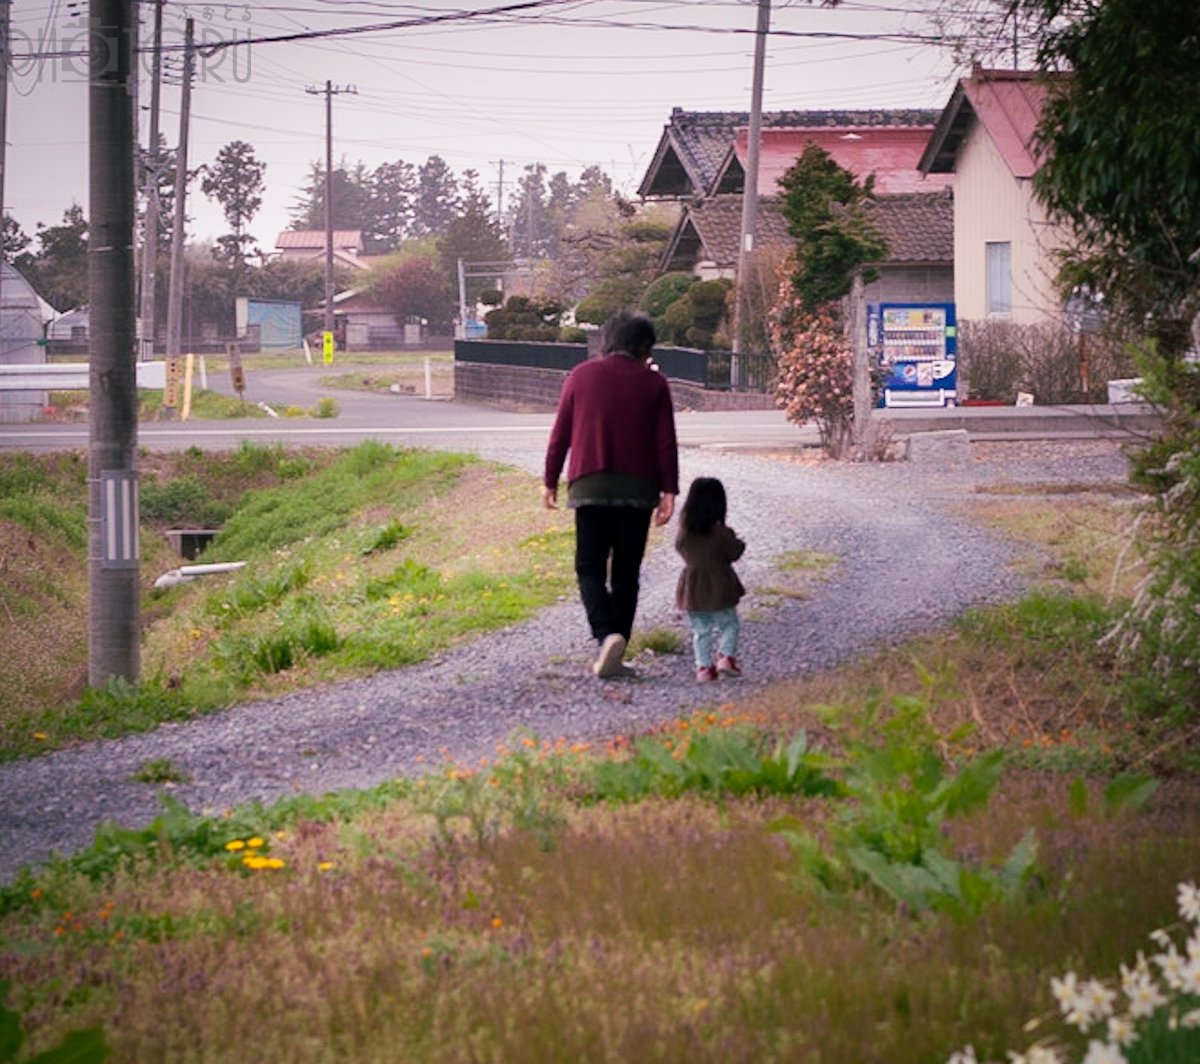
(714, 370)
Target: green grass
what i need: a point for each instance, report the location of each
(356, 561)
(884, 863)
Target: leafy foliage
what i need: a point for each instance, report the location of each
(414, 286)
(235, 181)
(821, 202)
(522, 318)
(815, 381)
(900, 790)
(1122, 162)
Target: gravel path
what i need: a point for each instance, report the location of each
(907, 563)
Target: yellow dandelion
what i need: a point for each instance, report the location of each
(324, 866)
(255, 843)
(40, 736)
(273, 862)
(235, 844)
(426, 953)
(253, 860)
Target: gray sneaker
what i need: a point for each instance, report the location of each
(608, 661)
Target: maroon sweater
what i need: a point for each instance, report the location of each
(615, 416)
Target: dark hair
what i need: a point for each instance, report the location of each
(705, 506)
(632, 333)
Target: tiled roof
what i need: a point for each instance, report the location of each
(891, 153)
(918, 228)
(304, 239)
(1008, 103)
(694, 144)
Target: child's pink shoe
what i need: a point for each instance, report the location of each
(706, 673)
(728, 665)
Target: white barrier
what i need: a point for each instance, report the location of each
(70, 376)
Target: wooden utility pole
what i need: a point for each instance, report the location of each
(152, 208)
(861, 382)
(178, 235)
(5, 50)
(113, 623)
(329, 91)
(750, 190)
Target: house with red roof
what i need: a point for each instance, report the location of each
(1004, 243)
(701, 160)
(309, 244)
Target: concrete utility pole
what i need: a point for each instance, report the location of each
(113, 623)
(330, 92)
(178, 236)
(5, 48)
(750, 192)
(150, 185)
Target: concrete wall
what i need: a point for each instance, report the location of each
(527, 388)
(990, 204)
(912, 284)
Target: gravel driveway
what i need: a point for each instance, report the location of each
(906, 563)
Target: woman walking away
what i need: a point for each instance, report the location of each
(709, 588)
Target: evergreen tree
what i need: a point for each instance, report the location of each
(59, 270)
(393, 188)
(235, 181)
(351, 199)
(437, 198)
(473, 236)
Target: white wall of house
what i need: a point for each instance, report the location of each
(991, 206)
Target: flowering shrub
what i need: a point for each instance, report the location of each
(815, 381)
(1154, 1017)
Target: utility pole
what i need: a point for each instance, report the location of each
(5, 49)
(500, 191)
(175, 290)
(113, 623)
(750, 191)
(150, 185)
(330, 91)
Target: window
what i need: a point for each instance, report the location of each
(998, 261)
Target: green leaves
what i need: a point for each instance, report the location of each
(86, 1046)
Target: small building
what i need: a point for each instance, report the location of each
(308, 244)
(1004, 243)
(917, 226)
(23, 318)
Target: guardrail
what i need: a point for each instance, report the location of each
(69, 376)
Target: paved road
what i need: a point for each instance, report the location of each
(399, 419)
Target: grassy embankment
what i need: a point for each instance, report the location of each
(881, 864)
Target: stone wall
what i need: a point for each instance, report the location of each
(527, 388)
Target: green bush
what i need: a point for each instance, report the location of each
(663, 292)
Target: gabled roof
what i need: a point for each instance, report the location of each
(694, 144)
(710, 230)
(891, 153)
(1008, 103)
(314, 239)
(918, 228)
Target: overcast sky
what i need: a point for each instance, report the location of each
(568, 83)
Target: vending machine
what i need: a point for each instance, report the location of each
(915, 347)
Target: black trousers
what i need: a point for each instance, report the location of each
(610, 542)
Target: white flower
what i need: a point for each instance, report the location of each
(1103, 1053)
(1144, 996)
(1190, 1019)
(1171, 964)
(1120, 1031)
(1189, 902)
(1065, 991)
(964, 1056)
(1189, 977)
(1160, 938)
(1099, 998)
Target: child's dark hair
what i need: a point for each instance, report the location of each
(705, 506)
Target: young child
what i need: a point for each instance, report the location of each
(709, 589)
